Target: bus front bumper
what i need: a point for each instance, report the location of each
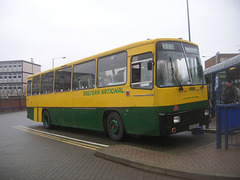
(170, 123)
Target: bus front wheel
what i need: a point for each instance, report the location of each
(115, 127)
(46, 120)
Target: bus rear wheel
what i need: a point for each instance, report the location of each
(46, 120)
(115, 127)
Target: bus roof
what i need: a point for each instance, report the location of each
(115, 50)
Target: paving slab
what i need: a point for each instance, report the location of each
(205, 162)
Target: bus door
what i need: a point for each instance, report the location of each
(142, 79)
(142, 92)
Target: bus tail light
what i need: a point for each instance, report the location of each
(174, 130)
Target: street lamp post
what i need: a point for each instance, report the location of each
(189, 34)
(56, 58)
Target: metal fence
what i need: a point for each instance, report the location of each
(228, 123)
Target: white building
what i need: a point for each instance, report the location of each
(13, 77)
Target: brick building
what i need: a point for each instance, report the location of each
(218, 58)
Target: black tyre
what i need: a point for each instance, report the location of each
(115, 127)
(46, 120)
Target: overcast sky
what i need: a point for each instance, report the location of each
(47, 29)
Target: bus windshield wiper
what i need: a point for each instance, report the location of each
(175, 75)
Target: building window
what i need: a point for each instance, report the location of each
(84, 75)
(63, 80)
(112, 70)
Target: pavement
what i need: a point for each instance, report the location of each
(205, 162)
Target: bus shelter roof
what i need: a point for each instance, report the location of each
(232, 62)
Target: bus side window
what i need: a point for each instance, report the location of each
(36, 85)
(47, 83)
(84, 75)
(63, 79)
(29, 88)
(142, 74)
(112, 70)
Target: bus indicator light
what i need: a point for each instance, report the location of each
(127, 93)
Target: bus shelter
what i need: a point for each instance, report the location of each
(216, 77)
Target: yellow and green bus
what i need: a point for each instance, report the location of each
(153, 87)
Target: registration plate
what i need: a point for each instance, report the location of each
(193, 126)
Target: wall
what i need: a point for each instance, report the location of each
(221, 57)
(12, 102)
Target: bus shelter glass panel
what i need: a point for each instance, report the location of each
(222, 76)
(208, 80)
(220, 84)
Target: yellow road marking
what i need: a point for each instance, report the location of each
(64, 139)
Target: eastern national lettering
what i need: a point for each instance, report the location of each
(103, 91)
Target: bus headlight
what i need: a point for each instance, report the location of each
(206, 112)
(176, 119)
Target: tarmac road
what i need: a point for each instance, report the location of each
(28, 151)
(25, 155)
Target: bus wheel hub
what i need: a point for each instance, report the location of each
(114, 127)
